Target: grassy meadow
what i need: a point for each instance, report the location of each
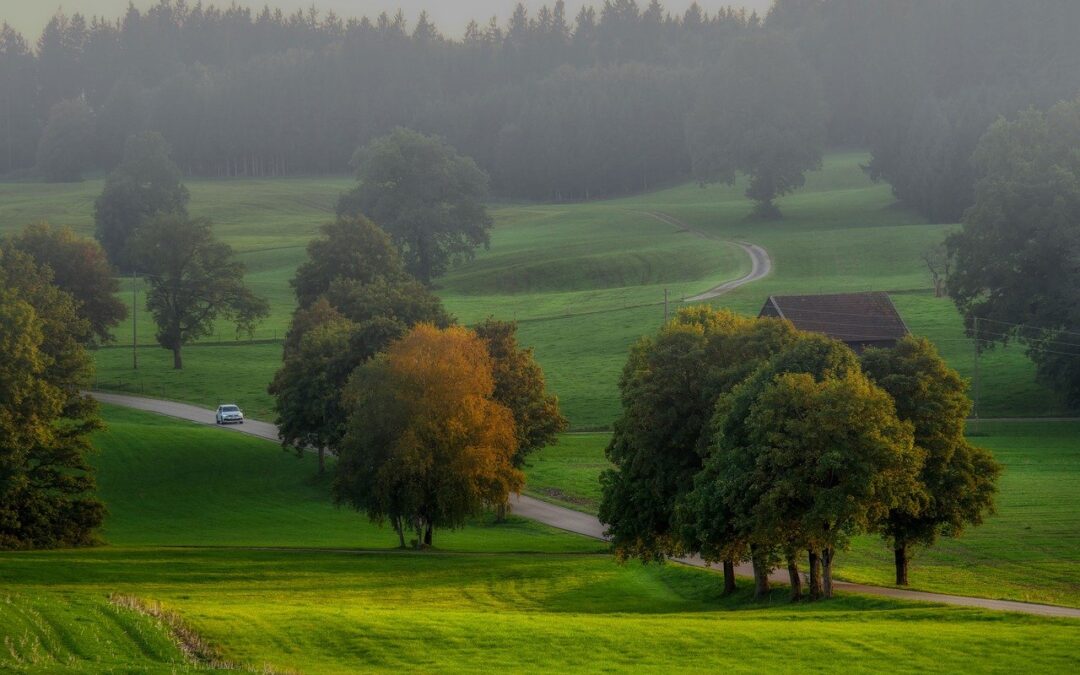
(583, 280)
(239, 539)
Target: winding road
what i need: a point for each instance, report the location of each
(585, 524)
(760, 263)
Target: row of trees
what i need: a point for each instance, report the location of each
(744, 439)
(56, 300)
(431, 422)
(553, 107)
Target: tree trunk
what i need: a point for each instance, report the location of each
(729, 576)
(815, 575)
(399, 527)
(428, 535)
(902, 559)
(761, 575)
(500, 513)
(177, 360)
(793, 577)
(826, 570)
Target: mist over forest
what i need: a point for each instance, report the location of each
(554, 105)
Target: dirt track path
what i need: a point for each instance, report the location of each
(760, 263)
(585, 524)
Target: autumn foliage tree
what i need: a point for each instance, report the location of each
(354, 299)
(426, 445)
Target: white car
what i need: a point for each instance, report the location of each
(229, 414)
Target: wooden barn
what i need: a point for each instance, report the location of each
(860, 320)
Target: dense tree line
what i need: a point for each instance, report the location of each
(552, 106)
(744, 439)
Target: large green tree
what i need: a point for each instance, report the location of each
(193, 280)
(46, 481)
(760, 112)
(352, 247)
(147, 182)
(79, 267)
(520, 386)
(716, 516)
(830, 460)
(426, 196)
(1016, 274)
(669, 387)
(958, 481)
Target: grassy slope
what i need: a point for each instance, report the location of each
(377, 610)
(585, 280)
(1028, 551)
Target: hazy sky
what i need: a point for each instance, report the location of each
(30, 16)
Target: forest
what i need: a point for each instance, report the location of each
(553, 107)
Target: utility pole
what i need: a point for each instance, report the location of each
(977, 383)
(134, 323)
(665, 306)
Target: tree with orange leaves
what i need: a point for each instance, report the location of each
(426, 445)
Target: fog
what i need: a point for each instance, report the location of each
(30, 16)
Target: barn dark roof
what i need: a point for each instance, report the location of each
(859, 319)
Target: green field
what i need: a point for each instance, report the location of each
(584, 280)
(239, 539)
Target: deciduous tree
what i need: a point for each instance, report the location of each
(351, 248)
(66, 147)
(427, 197)
(79, 267)
(146, 183)
(760, 113)
(46, 481)
(669, 387)
(194, 279)
(519, 385)
(1016, 268)
(958, 481)
(426, 445)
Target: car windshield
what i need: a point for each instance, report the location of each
(229, 408)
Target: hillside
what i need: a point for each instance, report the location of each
(584, 280)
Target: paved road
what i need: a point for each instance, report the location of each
(585, 524)
(760, 262)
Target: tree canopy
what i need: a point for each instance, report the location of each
(759, 113)
(146, 183)
(67, 143)
(80, 268)
(426, 445)
(351, 248)
(355, 299)
(669, 387)
(520, 386)
(957, 481)
(193, 280)
(1016, 255)
(427, 197)
(46, 481)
